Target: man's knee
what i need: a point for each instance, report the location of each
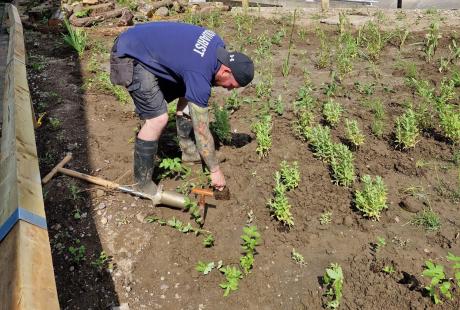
(158, 122)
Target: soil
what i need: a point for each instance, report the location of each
(153, 266)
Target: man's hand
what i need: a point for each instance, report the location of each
(217, 179)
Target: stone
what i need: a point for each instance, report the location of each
(347, 221)
(124, 306)
(163, 11)
(104, 220)
(140, 217)
(411, 204)
(99, 193)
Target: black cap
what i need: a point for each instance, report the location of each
(241, 65)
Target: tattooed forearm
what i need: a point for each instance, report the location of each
(203, 136)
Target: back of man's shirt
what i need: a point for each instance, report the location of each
(181, 53)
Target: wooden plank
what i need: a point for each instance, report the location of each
(26, 270)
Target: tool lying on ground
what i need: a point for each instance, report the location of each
(168, 198)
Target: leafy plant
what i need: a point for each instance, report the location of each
(389, 269)
(290, 175)
(372, 199)
(325, 218)
(365, 89)
(302, 125)
(428, 219)
(221, 125)
(449, 120)
(263, 129)
(102, 261)
(332, 111)
(297, 257)
(251, 239)
(354, 134)
(76, 38)
(305, 100)
(279, 205)
(407, 130)
(278, 105)
(333, 281)
(77, 253)
(55, 123)
(208, 241)
(324, 57)
(232, 276)
(456, 267)
(321, 142)
(83, 13)
(204, 267)
(373, 39)
(342, 166)
(381, 242)
(439, 284)
(194, 210)
(432, 40)
(173, 167)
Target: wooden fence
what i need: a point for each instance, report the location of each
(26, 269)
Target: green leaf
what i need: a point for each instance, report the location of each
(204, 267)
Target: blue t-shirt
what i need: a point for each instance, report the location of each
(180, 53)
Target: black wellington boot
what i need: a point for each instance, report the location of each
(144, 160)
(187, 146)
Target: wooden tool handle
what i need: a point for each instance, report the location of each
(202, 191)
(89, 178)
(48, 177)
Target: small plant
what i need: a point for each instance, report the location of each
(305, 100)
(233, 102)
(342, 166)
(381, 242)
(389, 269)
(297, 257)
(432, 40)
(278, 105)
(321, 142)
(232, 276)
(279, 205)
(449, 120)
(456, 267)
(439, 284)
(204, 267)
(263, 129)
(76, 38)
(407, 130)
(325, 218)
(251, 239)
(173, 167)
(372, 199)
(278, 36)
(332, 111)
(194, 210)
(77, 253)
(208, 241)
(354, 134)
(373, 39)
(365, 89)
(324, 57)
(302, 125)
(102, 261)
(286, 67)
(333, 281)
(55, 123)
(428, 219)
(102, 81)
(83, 13)
(221, 125)
(290, 175)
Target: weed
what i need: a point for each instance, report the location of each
(264, 87)
(279, 205)
(263, 129)
(365, 89)
(428, 219)
(278, 105)
(321, 142)
(221, 124)
(290, 175)
(372, 199)
(278, 36)
(232, 276)
(55, 123)
(297, 257)
(302, 125)
(331, 88)
(74, 192)
(233, 102)
(389, 269)
(324, 57)
(83, 13)
(333, 281)
(76, 38)
(325, 218)
(347, 52)
(381, 242)
(354, 134)
(204, 267)
(439, 284)
(102, 261)
(407, 130)
(208, 241)
(305, 99)
(343, 170)
(446, 92)
(449, 120)
(264, 47)
(432, 40)
(286, 67)
(373, 39)
(251, 239)
(173, 168)
(77, 253)
(332, 111)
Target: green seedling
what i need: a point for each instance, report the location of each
(321, 142)
(194, 210)
(354, 134)
(251, 239)
(446, 92)
(290, 175)
(389, 269)
(264, 47)
(323, 59)
(55, 123)
(232, 276)
(102, 261)
(74, 191)
(373, 39)
(456, 267)
(381, 242)
(278, 36)
(407, 130)
(77, 253)
(279, 205)
(302, 125)
(278, 105)
(449, 120)
(102, 81)
(333, 282)
(264, 87)
(262, 130)
(208, 241)
(372, 199)
(365, 89)
(204, 267)
(221, 125)
(233, 102)
(428, 219)
(174, 168)
(347, 52)
(432, 40)
(286, 67)
(305, 100)
(332, 111)
(342, 166)
(439, 284)
(76, 38)
(83, 13)
(297, 257)
(325, 218)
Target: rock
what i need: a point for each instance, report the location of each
(99, 193)
(140, 217)
(100, 206)
(411, 204)
(164, 287)
(123, 306)
(128, 289)
(347, 221)
(104, 220)
(126, 19)
(163, 11)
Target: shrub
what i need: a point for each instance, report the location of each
(221, 124)
(342, 166)
(372, 199)
(332, 111)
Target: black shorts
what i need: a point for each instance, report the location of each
(151, 94)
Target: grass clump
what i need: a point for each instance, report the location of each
(428, 219)
(221, 124)
(76, 38)
(372, 199)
